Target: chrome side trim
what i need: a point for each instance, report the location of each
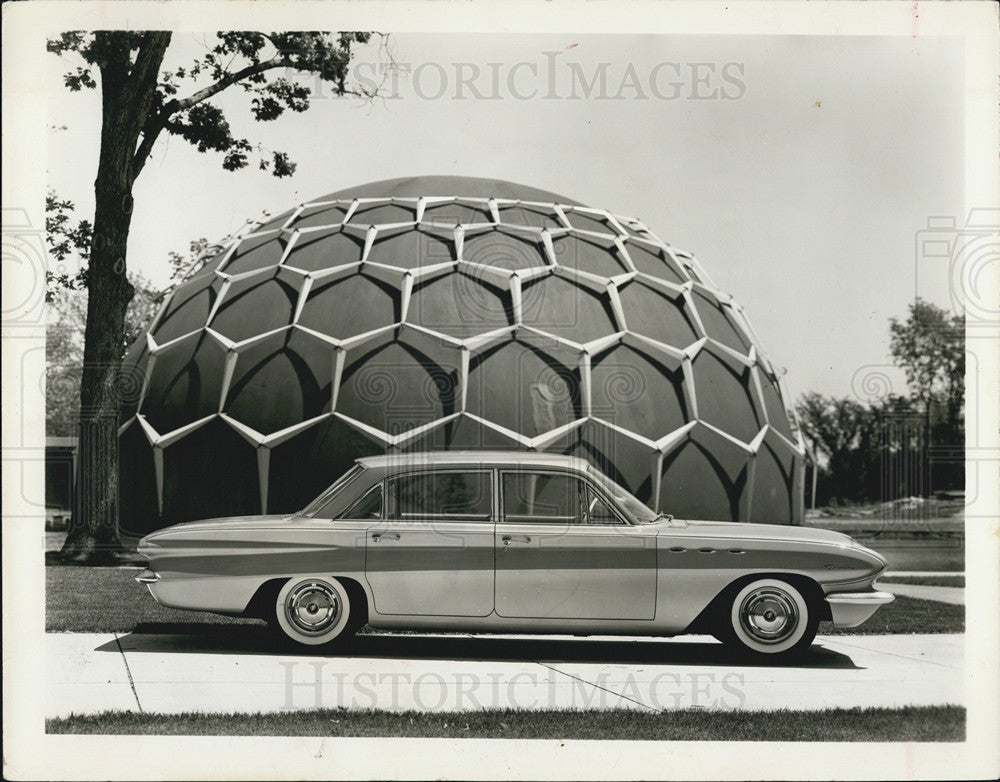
(851, 609)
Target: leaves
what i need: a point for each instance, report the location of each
(206, 127)
(877, 452)
(79, 79)
(929, 346)
(264, 65)
(66, 239)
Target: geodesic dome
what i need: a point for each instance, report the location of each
(445, 313)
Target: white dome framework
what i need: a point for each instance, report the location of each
(426, 322)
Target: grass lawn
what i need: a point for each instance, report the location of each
(925, 723)
(103, 600)
(907, 615)
(106, 600)
(942, 580)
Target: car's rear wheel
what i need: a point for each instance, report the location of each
(768, 618)
(314, 611)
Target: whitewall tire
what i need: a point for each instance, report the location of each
(770, 618)
(313, 610)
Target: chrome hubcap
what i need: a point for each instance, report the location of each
(312, 607)
(769, 615)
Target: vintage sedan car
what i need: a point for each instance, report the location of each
(511, 542)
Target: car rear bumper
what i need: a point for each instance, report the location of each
(851, 609)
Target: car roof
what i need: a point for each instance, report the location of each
(479, 458)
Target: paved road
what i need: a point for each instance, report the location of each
(239, 672)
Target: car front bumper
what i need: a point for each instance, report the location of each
(850, 609)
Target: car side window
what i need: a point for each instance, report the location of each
(543, 497)
(553, 498)
(367, 507)
(444, 496)
(598, 511)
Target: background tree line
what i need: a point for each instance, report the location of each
(897, 445)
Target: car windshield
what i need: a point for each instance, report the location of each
(637, 511)
(317, 504)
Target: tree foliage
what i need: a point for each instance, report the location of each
(899, 445)
(68, 239)
(178, 100)
(930, 348)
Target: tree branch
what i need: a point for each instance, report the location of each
(156, 124)
(227, 81)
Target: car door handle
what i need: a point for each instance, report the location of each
(377, 536)
(508, 539)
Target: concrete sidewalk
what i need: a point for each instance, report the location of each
(239, 673)
(942, 594)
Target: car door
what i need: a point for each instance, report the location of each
(432, 554)
(564, 552)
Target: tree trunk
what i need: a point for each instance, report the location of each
(94, 529)
(93, 534)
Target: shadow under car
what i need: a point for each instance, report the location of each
(195, 638)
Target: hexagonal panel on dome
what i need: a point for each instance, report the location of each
(280, 381)
(411, 249)
(137, 483)
(255, 306)
(304, 465)
(530, 216)
(566, 309)
(589, 254)
(723, 391)
(350, 306)
(185, 383)
(276, 222)
(129, 380)
(504, 251)
(694, 465)
(198, 483)
(621, 458)
(633, 227)
(208, 266)
(776, 414)
(718, 325)
(318, 250)
(460, 305)
(652, 313)
(772, 486)
(526, 388)
(257, 252)
(394, 386)
(637, 392)
(382, 214)
(457, 212)
(655, 261)
(591, 221)
(321, 216)
(187, 308)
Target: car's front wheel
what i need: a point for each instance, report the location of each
(314, 611)
(769, 618)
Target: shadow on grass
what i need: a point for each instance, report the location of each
(254, 639)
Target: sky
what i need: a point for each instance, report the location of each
(797, 169)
